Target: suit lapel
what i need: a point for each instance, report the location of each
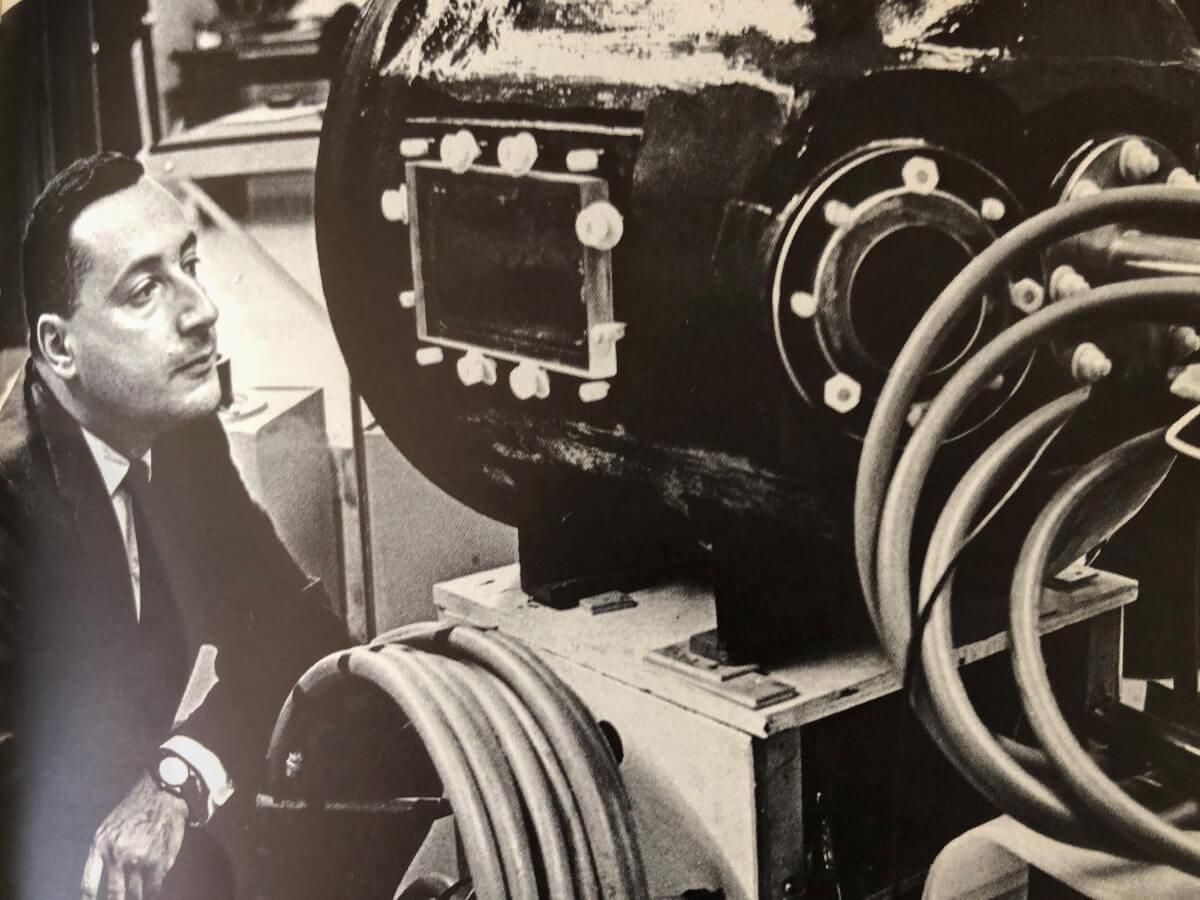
(77, 480)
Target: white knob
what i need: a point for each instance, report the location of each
(1066, 282)
(459, 151)
(528, 381)
(1027, 295)
(429, 356)
(414, 148)
(517, 153)
(1089, 364)
(803, 304)
(475, 368)
(607, 332)
(1137, 161)
(408, 299)
(992, 209)
(920, 174)
(599, 226)
(842, 393)
(394, 204)
(584, 160)
(591, 391)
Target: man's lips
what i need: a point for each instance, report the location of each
(199, 362)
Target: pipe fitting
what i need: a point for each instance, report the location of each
(1090, 364)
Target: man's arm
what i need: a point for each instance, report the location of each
(284, 624)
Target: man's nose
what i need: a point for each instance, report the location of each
(197, 311)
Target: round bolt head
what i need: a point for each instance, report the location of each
(920, 174)
(430, 356)
(528, 381)
(1084, 187)
(1185, 340)
(599, 225)
(1137, 161)
(837, 213)
(459, 151)
(1027, 295)
(803, 304)
(408, 299)
(583, 160)
(414, 148)
(992, 209)
(393, 203)
(996, 384)
(517, 153)
(592, 391)
(1089, 364)
(842, 393)
(471, 369)
(1182, 178)
(1066, 282)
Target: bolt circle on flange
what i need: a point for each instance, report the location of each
(864, 250)
(842, 393)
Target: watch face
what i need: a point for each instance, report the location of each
(173, 771)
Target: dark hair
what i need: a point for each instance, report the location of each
(50, 266)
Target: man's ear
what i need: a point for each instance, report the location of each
(57, 346)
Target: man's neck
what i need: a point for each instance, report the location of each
(129, 442)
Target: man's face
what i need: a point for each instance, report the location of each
(142, 330)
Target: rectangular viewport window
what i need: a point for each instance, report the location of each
(498, 266)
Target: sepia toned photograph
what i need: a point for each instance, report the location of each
(599, 449)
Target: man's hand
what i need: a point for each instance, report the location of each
(136, 845)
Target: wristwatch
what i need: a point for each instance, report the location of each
(175, 776)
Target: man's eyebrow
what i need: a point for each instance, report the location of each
(189, 244)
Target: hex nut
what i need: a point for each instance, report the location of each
(920, 174)
(842, 393)
(1027, 295)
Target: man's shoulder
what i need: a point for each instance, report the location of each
(18, 436)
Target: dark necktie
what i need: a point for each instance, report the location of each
(137, 483)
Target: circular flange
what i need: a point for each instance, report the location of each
(865, 251)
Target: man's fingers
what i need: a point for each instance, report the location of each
(152, 883)
(114, 882)
(93, 871)
(133, 884)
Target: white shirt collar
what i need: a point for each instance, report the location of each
(113, 466)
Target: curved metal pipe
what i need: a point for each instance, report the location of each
(1160, 840)
(888, 422)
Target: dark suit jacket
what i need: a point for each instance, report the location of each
(87, 703)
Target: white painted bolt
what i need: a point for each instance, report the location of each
(393, 203)
(528, 380)
(1089, 364)
(803, 304)
(920, 174)
(475, 368)
(1185, 340)
(414, 148)
(1136, 160)
(837, 213)
(459, 151)
(1182, 178)
(842, 393)
(591, 391)
(430, 356)
(992, 209)
(583, 160)
(408, 299)
(916, 412)
(1084, 187)
(517, 153)
(1027, 295)
(607, 332)
(293, 765)
(996, 384)
(599, 225)
(1065, 281)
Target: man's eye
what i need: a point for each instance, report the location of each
(145, 291)
(191, 266)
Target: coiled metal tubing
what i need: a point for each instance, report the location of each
(539, 802)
